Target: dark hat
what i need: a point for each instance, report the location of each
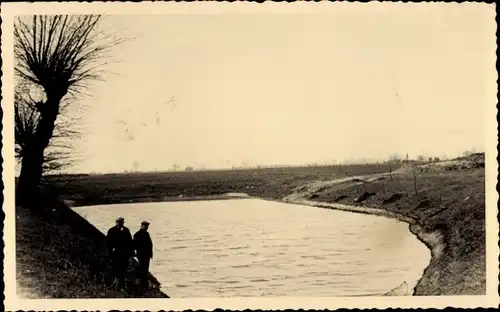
(120, 219)
(144, 223)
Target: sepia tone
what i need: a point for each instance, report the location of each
(337, 154)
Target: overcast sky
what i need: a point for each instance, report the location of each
(218, 90)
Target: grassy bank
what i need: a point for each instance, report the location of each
(447, 211)
(269, 183)
(60, 255)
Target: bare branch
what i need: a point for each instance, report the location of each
(60, 53)
(59, 154)
(57, 56)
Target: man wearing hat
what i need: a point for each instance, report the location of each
(144, 248)
(119, 243)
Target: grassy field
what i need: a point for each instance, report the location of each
(270, 183)
(448, 203)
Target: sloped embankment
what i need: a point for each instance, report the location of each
(446, 212)
(60, 255)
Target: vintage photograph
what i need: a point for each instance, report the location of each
(344, 152)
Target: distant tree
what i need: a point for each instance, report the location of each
(469, 152)
(56, 56)
(135, 165)
(436, 159)
(395, 158)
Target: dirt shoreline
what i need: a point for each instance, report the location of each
(166, 199)
(431, 240)
(447, 215)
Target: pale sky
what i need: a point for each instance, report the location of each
(290, 89)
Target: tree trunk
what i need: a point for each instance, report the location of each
(27, 193)
(29, 180)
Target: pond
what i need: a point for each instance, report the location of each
(252, 248)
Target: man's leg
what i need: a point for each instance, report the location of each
(122, 271)
(115, 270)
(144, 271)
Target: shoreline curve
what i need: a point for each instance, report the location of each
(432, 240)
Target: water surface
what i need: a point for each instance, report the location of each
(250, 247)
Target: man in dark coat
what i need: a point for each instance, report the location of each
(120, 246)
(144, 248)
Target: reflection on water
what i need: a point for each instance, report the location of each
(250, 247)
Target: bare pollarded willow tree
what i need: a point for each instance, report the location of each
(56, 57)
(59, 154)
